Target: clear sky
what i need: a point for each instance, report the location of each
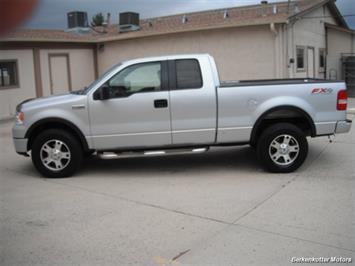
(52, 13)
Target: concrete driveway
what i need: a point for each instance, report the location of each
(217, 208)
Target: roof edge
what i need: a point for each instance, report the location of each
(335, 27)
(7, 40)
(117, 38)
(333, 9)
(120, 37)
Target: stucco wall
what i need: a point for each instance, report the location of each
(9, 98)
(81, 67)
(240, 53)
(338, 42)
(309, 32)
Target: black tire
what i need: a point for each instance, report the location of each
(287, 158)
(89, 154)
(70, 147)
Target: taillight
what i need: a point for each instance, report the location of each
(342, 102)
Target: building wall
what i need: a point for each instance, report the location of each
(81, 63)
(240, 53)
(338, 42)
(309, 32)
(9, 98)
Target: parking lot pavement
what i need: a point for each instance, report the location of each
(217, 208)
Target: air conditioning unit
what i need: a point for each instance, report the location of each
(129, 21)
(77, 19)
(78, 22)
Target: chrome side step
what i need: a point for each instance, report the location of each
(116, 155)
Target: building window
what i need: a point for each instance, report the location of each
(188, 74)
(301, 58)
(8, 74)
(321, 60)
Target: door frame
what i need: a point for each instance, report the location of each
(66, 55)
(314, 62)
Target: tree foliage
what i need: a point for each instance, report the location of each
(97, 20)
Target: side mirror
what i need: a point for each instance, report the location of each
(103, 93)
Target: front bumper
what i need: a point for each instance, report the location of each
(20, 145)
(19, 139)
(343, 126)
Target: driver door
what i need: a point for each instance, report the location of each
(137, 113)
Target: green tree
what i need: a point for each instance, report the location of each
(97, 20)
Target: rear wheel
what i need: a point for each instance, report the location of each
(56, 153)
(282, 148)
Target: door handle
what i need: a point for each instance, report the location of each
(161, 103)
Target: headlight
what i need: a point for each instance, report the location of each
(20, 118)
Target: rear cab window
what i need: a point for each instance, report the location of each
(188, 74)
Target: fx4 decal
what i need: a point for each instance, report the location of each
(322, 91)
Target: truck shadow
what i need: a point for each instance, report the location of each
(235, 158)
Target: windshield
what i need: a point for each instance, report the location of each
(87, 89)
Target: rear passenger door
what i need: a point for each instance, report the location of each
(192, 102)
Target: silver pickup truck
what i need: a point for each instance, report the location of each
(177, 104)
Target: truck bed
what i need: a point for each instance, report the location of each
(266, 82)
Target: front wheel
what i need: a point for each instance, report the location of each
(56, 153)
(282, 148)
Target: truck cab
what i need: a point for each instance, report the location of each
(155, 102)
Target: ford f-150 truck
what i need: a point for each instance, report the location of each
(177, 104)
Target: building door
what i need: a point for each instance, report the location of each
(310, 62)
(59, 73)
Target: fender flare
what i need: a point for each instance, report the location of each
(62, 121)
(283, 107)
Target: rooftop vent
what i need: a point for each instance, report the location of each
(296, 9)
(78, 22)
(184, 19)
(274, 9)
(129, 21)
(108, 20)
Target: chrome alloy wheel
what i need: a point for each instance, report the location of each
(283, 150)
(55, 155)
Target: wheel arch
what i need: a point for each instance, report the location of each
(54, 122)
(283, 113)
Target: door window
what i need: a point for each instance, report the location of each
(137, 78)
(301, 58)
